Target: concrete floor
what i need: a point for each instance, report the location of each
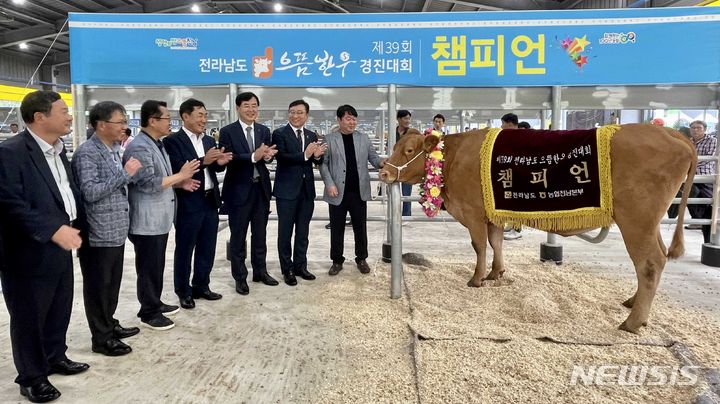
(262, 342)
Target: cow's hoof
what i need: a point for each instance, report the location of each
(629, 302)
(473, 285)
(624, 327)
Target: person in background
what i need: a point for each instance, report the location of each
(40, 218)
(103, 184)
(510, 121)
(152, 210)
(524, 125)
(347, 186)
(439, 123)
(196, 221)
(657, 122)
(404, 118)
(705, 145)
(14, 129)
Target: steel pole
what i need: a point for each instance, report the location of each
(396, 271)
(79, 120)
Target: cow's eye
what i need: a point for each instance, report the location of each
(409, 151)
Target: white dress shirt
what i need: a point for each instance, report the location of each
(52, 156)
(197, 143)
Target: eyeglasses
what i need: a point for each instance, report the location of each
(697, 127)
(124, 122)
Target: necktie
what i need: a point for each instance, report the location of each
(300, 138)
(251, 145)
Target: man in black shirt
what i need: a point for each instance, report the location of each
(347, 186)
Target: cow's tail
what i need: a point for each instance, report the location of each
(677, 246)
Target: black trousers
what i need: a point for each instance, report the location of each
(254, 214)
(150, 267)
(196, 231)
(353, 204)
(39, 310)
(295, 213)
(702, 211)
(102, 269)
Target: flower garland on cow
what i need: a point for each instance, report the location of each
(432, 183)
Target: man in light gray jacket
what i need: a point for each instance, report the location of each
(103, 180)
(152, 210)
(347, 186)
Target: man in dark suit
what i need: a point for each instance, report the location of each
(39, 220)
(294, 189)
(246, 190)
(196, 221)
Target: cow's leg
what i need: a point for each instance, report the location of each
(631, 301)
(478, 234)
(495, 236)
(649, 260)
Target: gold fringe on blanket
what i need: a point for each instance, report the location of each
(560, 220)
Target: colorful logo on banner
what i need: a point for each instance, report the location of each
(577, 49)
(177, 43)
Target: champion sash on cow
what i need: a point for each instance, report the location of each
(548, 180)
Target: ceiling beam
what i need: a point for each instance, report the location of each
(73, 6)
(28, 34)
(426, 5)
(335, 6)
(25, 16)
(473, 4)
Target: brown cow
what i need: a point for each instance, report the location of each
(648, 163)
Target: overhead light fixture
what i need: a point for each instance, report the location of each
(278, 7)
(18, 2)
(23, 45)
(195, 8)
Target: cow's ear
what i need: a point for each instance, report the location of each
(430, 142)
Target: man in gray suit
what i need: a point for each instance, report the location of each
(347, 186)
(103, 184)
(152, 210)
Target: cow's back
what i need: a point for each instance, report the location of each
(463, 191)
(648, 166)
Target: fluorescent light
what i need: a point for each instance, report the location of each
(18, 2)
(23, 45)
(195, 8)
(278, 7)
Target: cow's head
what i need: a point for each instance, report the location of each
(407, 161)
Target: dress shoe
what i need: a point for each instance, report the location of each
(363, 267)
(187, 302)
(120, 332)
(290, 279)
(158, 323)
(305, 274)
(168, 309)
(113, 347)
(41, 392)
(242, 287)
(266, 279)
(67, 367)
(335, 268)
(207, 295)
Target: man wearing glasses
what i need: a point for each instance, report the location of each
(298, 149)
(705, 145)
(246, 191)
(152, 210)
(103, 185)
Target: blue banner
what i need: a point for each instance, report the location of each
(574, 48)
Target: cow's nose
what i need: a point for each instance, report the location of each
(383, 175)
